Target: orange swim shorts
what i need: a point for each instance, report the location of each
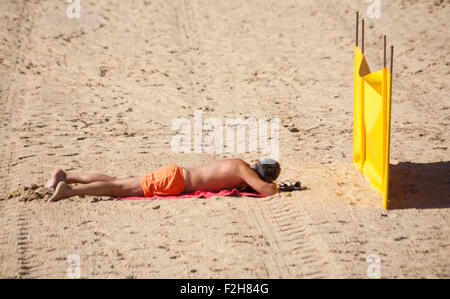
(168, 180)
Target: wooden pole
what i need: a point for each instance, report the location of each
(362, 37)
(357, 27)
(392, 60)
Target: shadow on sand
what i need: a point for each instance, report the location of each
(419, 185)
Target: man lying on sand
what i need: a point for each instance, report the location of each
(172, 180)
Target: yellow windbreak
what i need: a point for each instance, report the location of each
(358, 121)
(371, 124)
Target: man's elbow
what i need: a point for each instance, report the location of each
(272, 190)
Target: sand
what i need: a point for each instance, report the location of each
(100, 93)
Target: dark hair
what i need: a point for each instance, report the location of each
(267, 169)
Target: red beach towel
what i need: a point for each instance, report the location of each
(198, 194)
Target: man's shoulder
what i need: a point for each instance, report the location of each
(237, 162)
(232, 164)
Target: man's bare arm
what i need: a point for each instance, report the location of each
(254, 181)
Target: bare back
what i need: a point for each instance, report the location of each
(213, 176)
(225, 174)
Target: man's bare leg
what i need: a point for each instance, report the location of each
(116, 188)
(61, 176)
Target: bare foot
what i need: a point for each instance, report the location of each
(58, 176)
(61, 191)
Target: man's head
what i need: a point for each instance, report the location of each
(267, 169)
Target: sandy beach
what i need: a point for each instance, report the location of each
(100, 93)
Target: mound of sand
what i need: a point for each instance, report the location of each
(31, 193)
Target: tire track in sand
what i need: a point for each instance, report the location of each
(189, 44)
(295, 250)
(14, 240)
(23, 242)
